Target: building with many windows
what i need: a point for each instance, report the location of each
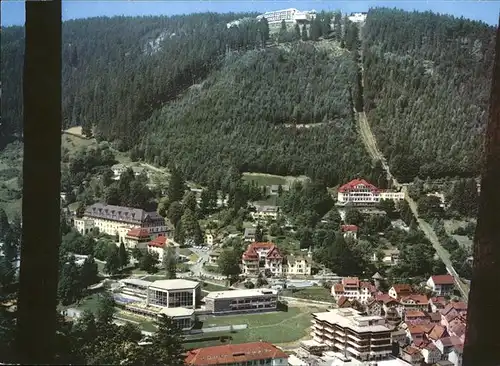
(241, 301)
(261, 257)
(364, 338)
(118, 220)
(175, 293)
(361, 192)
(291, 15)
(353, 289)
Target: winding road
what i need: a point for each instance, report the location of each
(370, 143)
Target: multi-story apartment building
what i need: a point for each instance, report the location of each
(254, 353)
(364, 338)
(360, 192)
(261, 257)
(288, 15)
(297, 265)
(353, 289)
(237, 301)
(118, 220)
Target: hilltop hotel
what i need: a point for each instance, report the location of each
(291, 15)
(360, 192)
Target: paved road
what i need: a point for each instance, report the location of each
(372, 148)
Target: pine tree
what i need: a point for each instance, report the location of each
(89, 272)
(305, 36)
(112, 260)
(123, 255)
(170, 262)
(259, 234)
(176, 186)
(297, 31)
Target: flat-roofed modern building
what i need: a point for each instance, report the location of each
(182, 317)
(135, 286)
(237, 301)
(364, 338)
(174, 293)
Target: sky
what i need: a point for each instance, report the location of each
(12, 11)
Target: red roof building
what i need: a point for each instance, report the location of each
(400, 290)
(158, 242)
(358, 185)
(233, 354)
(262, 256)
(442, 285)
(353, 289)
(137, 238)
(346, 228)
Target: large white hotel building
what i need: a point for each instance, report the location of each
(360, 192)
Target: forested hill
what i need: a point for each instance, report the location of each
(427, 84)
(188, 90)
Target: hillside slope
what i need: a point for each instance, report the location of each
(427, 82)
(237, 116)
(190, 91)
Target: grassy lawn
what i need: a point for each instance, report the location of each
(211, 269)
(277, 327)
(317, 293)
(87, 303)
(146, 324)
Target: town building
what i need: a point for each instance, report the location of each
(241, 301)
(361, 192)
(118, 220)
(175, 293)
(160, 244)
(209, 238)
(153, 299)
(363, 338)
(390, 257)
(264, 213)
(353, 289)
(249, 234)
(119, 169)
(213, 257)
(253, 353)
(441, 285)
(288, 15)
(350, 231)
(297, 265)
(261, 257)
(137, 238)
(358, 17)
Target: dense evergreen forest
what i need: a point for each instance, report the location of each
(427, 85)
(191, 91)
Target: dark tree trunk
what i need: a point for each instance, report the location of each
(482, 344)
(42, 173)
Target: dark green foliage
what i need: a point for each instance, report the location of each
(148, 262)
(89, 272)
(70, 285)
(307, 202)
(430, 207)
(229, 263)
(259, 234)
(113, 263)
(123, 255)
(354, 217)
(170, 262)
(427, 82)
(464, 197)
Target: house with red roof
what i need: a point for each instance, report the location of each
(260, 257)
(350, 231)
(412, 355)
(252, 353)
(137, 238)
(353, 289)
(441, 285)
(159, 244)
(361, 192)
(399, 290)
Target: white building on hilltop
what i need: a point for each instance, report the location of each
(291, 15)
(361, 192)
(358, 17)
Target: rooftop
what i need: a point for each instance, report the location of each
(233, 353)
(135, 282)
(443, 279)
(240, 293)
(177, 284)
(350, 318)
(177, 312)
